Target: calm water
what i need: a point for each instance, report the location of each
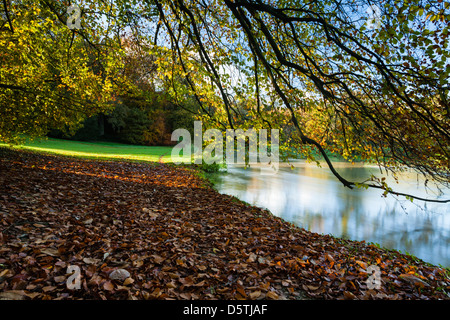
(312, 198)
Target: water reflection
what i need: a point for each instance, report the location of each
(312, 198)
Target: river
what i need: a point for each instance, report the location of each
(312, 198)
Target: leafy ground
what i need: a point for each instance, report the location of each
(176, 236)
(98, 150)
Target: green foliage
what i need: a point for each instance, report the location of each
(210, 168)
(51, 76)
(148, 115)
(131, 120)
(137, 122)
(147, 121)
(181, 119)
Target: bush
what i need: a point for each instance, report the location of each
(210, 168)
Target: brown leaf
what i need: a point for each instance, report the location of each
(48, 288)
(32, 295)
(158, 259)
(413, 280)
(310, 287)
(329, 258)
(156, 293)
(180, 262)
(12, 295)
(108, 285)
(61, 264)
(187, 282)
(265, 286)
(255, 294)
(272, 295)
(256, 230)
(349, 296)
(241, 290)
(153, 215)
(39, 225)
(252, 257)
(60, 278)
(186, 295)
(5, 273)
(88, 221)
(91, 260)
(200, 284)
(128, 281)
(286, 283)
(50, 251)
(362, 264)
(180, 238)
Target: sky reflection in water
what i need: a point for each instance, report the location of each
(312, 198)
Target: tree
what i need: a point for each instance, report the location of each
(380, 93)
(51, 76)
(146, 115)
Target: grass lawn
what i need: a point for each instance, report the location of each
(98, 150)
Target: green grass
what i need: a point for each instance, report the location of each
(97, 150)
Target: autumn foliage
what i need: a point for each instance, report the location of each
(176, 237)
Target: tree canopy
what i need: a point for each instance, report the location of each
(52, 76)
(373, 87)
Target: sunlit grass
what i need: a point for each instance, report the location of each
(98, 150)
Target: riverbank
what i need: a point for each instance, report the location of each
(312, 198)
(169, 235)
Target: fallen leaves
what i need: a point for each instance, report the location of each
(147, 231)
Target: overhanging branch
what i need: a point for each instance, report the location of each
(7, 16)
(257, 50)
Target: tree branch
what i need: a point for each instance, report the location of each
(7, 17)
(246, 25)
